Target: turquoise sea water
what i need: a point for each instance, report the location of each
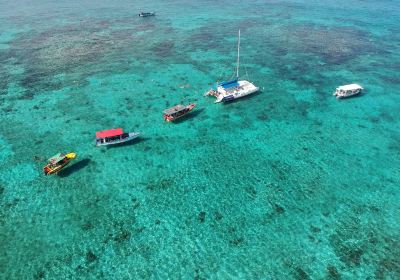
(287, 184)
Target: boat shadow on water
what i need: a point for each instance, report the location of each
(74, 167)
(189, 116)
(129, 143)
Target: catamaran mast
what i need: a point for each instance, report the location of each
(238, 55)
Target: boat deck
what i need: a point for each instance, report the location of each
(175, 109)
(212, 93)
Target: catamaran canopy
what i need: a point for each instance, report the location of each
(350, 87)
(230, 84)
(109, 133)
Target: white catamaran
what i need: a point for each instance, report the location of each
(233, 89)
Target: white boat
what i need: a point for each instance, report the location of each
(234, 89)
(114, 136)
(147, 14)
(347, 90)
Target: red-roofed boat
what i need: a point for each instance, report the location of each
(177, 111)
(114, 136)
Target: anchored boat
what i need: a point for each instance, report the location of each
(347, 90)
(233, 89)
(114, 136)
(57, 162)
(147, 14)
(177, 112)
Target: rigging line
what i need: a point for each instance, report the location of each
(221, 74)
(223, 70)
(234, 49)
(247, 75)
(233, 75)
(238, 56)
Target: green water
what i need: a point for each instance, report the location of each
(287, 184)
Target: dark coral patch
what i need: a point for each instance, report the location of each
(237, 241)
(90, 257)
(262, 117)
(251, 191)
(300, 274)
(202, 216)
(164, 49)
(161, 184)
(388, 266)
(278, 209)
(218, 216)
(140, 229)
(334, 45)
(40, 275)
(28, 95)
(87, 226)
(122, 235)
(333, 274)
(354, 256)
(7, 110)
(349, 242)
(197, 275)
(315, 229)
(147, 148)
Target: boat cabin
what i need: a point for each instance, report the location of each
(110, 136)
(57, 159)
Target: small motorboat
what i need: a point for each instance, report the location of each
(114, 136)
(177, 112)
(347, 91)
(148, 14)
(57, 162)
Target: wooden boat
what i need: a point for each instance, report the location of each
(177, 112)
(57, 163)
(147, 14)
(114, 136)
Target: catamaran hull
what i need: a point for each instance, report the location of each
(131, 137)
(246, 88)
(233, 97)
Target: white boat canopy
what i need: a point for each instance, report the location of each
(350, 87)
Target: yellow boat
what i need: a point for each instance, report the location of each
(58, 162)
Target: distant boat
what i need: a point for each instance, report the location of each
(347, 91)
(114, 136)
(233, 89)
(147, 14)
(177, 111)
(57, 162)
